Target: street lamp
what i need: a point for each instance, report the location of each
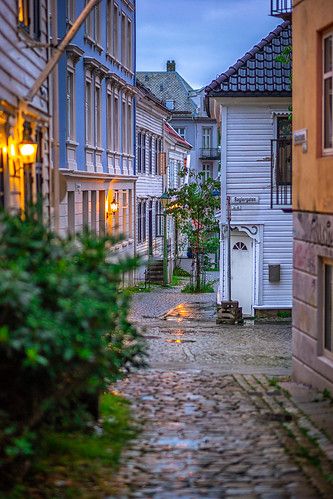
(165, 199)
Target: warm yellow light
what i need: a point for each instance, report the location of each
(4, 149)
(114, 206)
(12, 150)
(27, 149)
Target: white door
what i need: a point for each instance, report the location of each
(242, 271)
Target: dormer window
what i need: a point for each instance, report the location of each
(170, 104)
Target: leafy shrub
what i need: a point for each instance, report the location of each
(64, 333)
(179, 272)
(207, 287)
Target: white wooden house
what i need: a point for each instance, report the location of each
(151, 183)
(252, 100)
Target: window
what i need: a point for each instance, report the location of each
(129, 45)
(181, 132)
(39, 171)
(240, 246)
(85, 209)
(170, 104)
(150, 155)
(115, 31)
(93, 24)
(206, 138)
(123, 39)
(116, 122)
(139, 152)
(125, 214)
(70, 10)
(98, 123)
(88, 113)
(70, 111)
(71, 212)
(158, 150)
(93, 211)
(327, 94)
(101, 199)
(158, 219)
(328, 307)
(29, 17)
(124, 126)
(141, 221)
(109, 121)
(129, 127)
(2, 179)
(207, 170)
(143, 153)
(283, 152)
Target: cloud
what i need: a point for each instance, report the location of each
(204, 36)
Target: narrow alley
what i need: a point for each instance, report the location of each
(214, 419)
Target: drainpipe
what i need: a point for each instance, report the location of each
(55, 116)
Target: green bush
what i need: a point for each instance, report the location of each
(207, 287)
(64, 333)
(180, 272)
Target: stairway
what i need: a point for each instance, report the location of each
(155, 271)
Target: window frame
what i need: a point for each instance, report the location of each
(326, 352)
(209, 136)
(29, 17)
(89, 121)
(70, 106)
(98, 139)
(70, 11)
(326, 151)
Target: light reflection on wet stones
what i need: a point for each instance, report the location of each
(202, 438)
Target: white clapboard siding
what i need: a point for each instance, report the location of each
(249, 132)
(150, 121)
(20, 65)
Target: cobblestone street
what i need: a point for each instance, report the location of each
(214, 421)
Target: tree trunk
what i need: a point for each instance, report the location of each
(197, 267)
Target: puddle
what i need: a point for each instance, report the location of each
(179, 341)
(195, 311)
(179, 443)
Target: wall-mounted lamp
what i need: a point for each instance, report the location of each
(27, 147)
(114, 206)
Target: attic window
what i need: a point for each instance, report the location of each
(170, 104)
(146, 78)
(161, 88)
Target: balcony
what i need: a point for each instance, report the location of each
(210, 153)
(281, 8)
(281, 174)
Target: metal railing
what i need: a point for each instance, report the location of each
(281, 173)
(210, 153)
(281, 8)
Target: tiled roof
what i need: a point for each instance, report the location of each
(169, 85)
(151, 96)
(258, 72)
(176, 136)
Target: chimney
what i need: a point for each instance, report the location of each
(171, 66)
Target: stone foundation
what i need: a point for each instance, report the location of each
(313, 241)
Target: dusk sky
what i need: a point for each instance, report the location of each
(204, 37)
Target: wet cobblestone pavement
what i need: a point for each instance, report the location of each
(211, 424)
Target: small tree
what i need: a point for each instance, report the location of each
(193, 208)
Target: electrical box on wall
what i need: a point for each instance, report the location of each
(274, 272)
